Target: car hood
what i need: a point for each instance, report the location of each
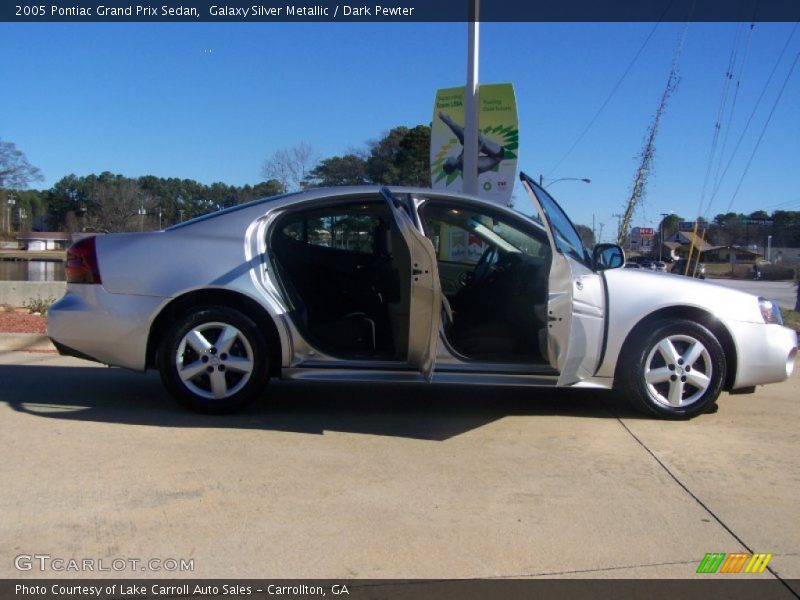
(649, 291)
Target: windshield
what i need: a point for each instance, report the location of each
(566, 236)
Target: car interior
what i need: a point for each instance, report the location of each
(494, 276)
(341, 269)
(335, 264)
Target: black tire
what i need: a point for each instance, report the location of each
(675, 388)
(214, 380)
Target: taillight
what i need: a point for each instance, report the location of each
(81, 264)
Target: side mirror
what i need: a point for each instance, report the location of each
(607, 256)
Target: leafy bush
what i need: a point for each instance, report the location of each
(776, 272)
(39, 305)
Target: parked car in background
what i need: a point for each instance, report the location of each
(407, 285)
(695, 269)
(632, 265)
(660, 266)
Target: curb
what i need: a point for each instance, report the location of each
(25, 342)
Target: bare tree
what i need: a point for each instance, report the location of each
(289, 166)
(15, 170)
(119, 205)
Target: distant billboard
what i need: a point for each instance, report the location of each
(689, 225)
(643, 232)
(498, 141)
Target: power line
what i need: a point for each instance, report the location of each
(610, 95)
(727, 128)
(763, 130)
(749, 120)
(723, 101)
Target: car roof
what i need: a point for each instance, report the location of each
(309, 196)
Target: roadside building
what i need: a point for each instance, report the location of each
(730, 254)
(34, 241)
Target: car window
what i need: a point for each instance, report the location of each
(566, 236)
(344, 228)
(462, 235)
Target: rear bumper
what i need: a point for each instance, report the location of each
(109, 328)
(766, 353)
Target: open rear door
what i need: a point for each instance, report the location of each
(576, 294)
(419, 311)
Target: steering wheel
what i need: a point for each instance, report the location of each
(482, 268)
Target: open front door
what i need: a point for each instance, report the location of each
(418, 312)
(576, 294)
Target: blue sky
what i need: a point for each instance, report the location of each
(212, 101)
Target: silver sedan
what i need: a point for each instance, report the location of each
(404, 285)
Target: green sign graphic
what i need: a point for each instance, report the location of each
(498, 141)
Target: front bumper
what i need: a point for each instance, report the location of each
(766, 353)
(109, 328)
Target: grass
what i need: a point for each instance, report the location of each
(35, 255)
(791, 319)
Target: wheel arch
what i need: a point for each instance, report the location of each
(705, 318)
(217, 297)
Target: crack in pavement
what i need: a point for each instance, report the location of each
(694, 496)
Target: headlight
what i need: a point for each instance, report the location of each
(770, 311)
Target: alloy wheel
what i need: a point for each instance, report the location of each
(214, 360)
(678, 371)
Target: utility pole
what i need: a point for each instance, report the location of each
(10, 202)
(661, 235)
(642, 173)
(620, 235)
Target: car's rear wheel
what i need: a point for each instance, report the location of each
(675, 370)
(214, 360)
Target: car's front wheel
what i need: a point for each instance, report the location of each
(675, 370)
(214, 360)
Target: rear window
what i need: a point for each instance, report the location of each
(352, 228)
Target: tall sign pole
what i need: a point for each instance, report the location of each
(470, 172)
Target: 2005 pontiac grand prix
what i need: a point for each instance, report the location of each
(404, 284)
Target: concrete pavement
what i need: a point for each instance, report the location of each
(380, 482)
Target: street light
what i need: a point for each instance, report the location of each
(583, 179)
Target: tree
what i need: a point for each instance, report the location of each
(668, 226)
(401, 157)
(118, 204)
(15, 170)
(349, 169)
(289, 166)
(587, 235)
(727, 229)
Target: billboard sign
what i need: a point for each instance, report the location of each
(498, 141)
(689, 225)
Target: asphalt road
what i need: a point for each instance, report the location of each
(785, 292)
(382, 482)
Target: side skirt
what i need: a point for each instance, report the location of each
(408, 376)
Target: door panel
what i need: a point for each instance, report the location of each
(421, 299)
(576, 302)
